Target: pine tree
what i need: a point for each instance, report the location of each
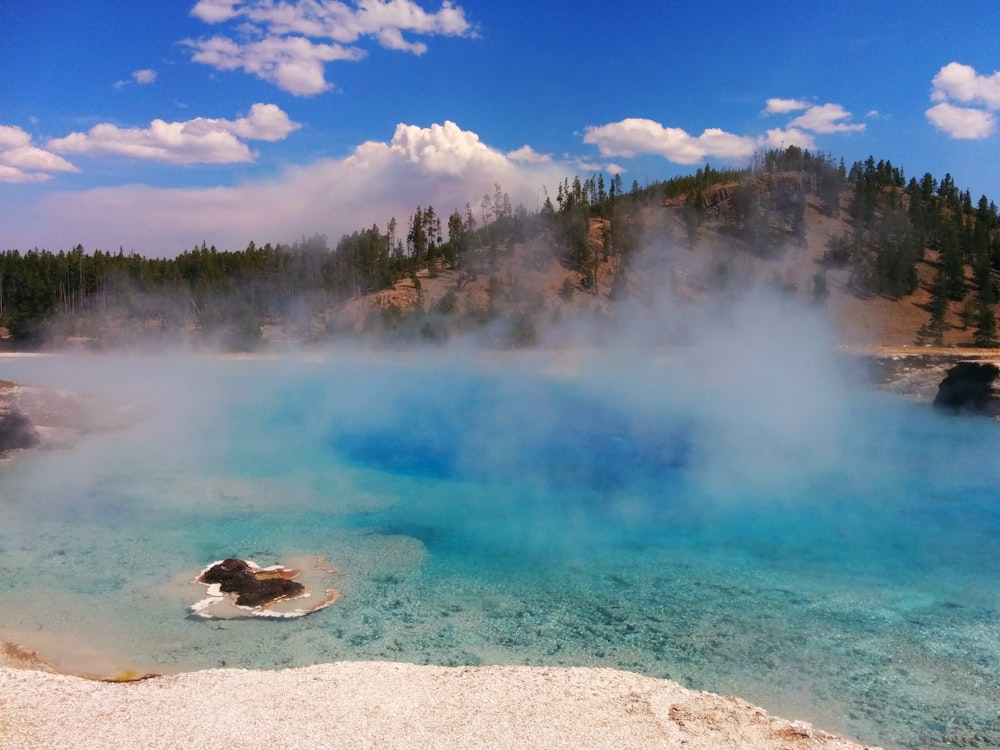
(953, 265)
(820, 289)
(932, 332)
(986, 329)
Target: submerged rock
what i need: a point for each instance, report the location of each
(968, 386)
(244, 585)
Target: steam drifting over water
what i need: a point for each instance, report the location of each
(733, 514)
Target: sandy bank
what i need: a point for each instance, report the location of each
(382, 705)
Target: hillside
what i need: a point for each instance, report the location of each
(531, 278)
(893, 263)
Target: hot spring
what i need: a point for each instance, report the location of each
(777, 532)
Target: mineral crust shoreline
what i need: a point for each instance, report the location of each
(362, 705)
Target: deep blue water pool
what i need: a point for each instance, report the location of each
(829, 552)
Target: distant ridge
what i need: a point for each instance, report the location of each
(894, 262)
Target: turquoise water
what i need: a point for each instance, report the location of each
(826, 551)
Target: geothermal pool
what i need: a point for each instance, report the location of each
(781, 533)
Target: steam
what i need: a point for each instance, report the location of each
(690, 397)
(660, 457)
(744, 385)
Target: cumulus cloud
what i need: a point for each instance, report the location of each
(441, 165)
(198, 141)
(20, 161)
(826, 118)
(527, 154)
(962, 122)
(634, 136)
(294, 64)
(961, 83)
(265, 122)
(288, 43)
(439, 150)
(815, 118)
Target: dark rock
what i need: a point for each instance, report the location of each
(16, 431)
(252, 587)
(968, 386)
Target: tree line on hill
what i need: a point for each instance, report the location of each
(895, 222)
(45, 296)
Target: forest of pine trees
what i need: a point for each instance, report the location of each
(893, 225)
(896, 222)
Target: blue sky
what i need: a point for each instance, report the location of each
(156, 126)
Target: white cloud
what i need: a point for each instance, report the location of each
(784, 106)
(439, 150)
(214, 11)
(142, 77)
(961, 83)
(198, 141)
(20, 161)
(393, 39)
(826, 118)
(266, 122)
(441, 165)
(634, 136)
(33, 158)
(816, 118)
(13, 174)
(778, 138)
(584, 166)
(527, 154)
(293, 64)
(288, 43)
(12, 136)
(341, 22)
(962, 122)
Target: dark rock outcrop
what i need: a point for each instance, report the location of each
(16, 432)
(968, 387)
(242, 588)
(252, 587)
